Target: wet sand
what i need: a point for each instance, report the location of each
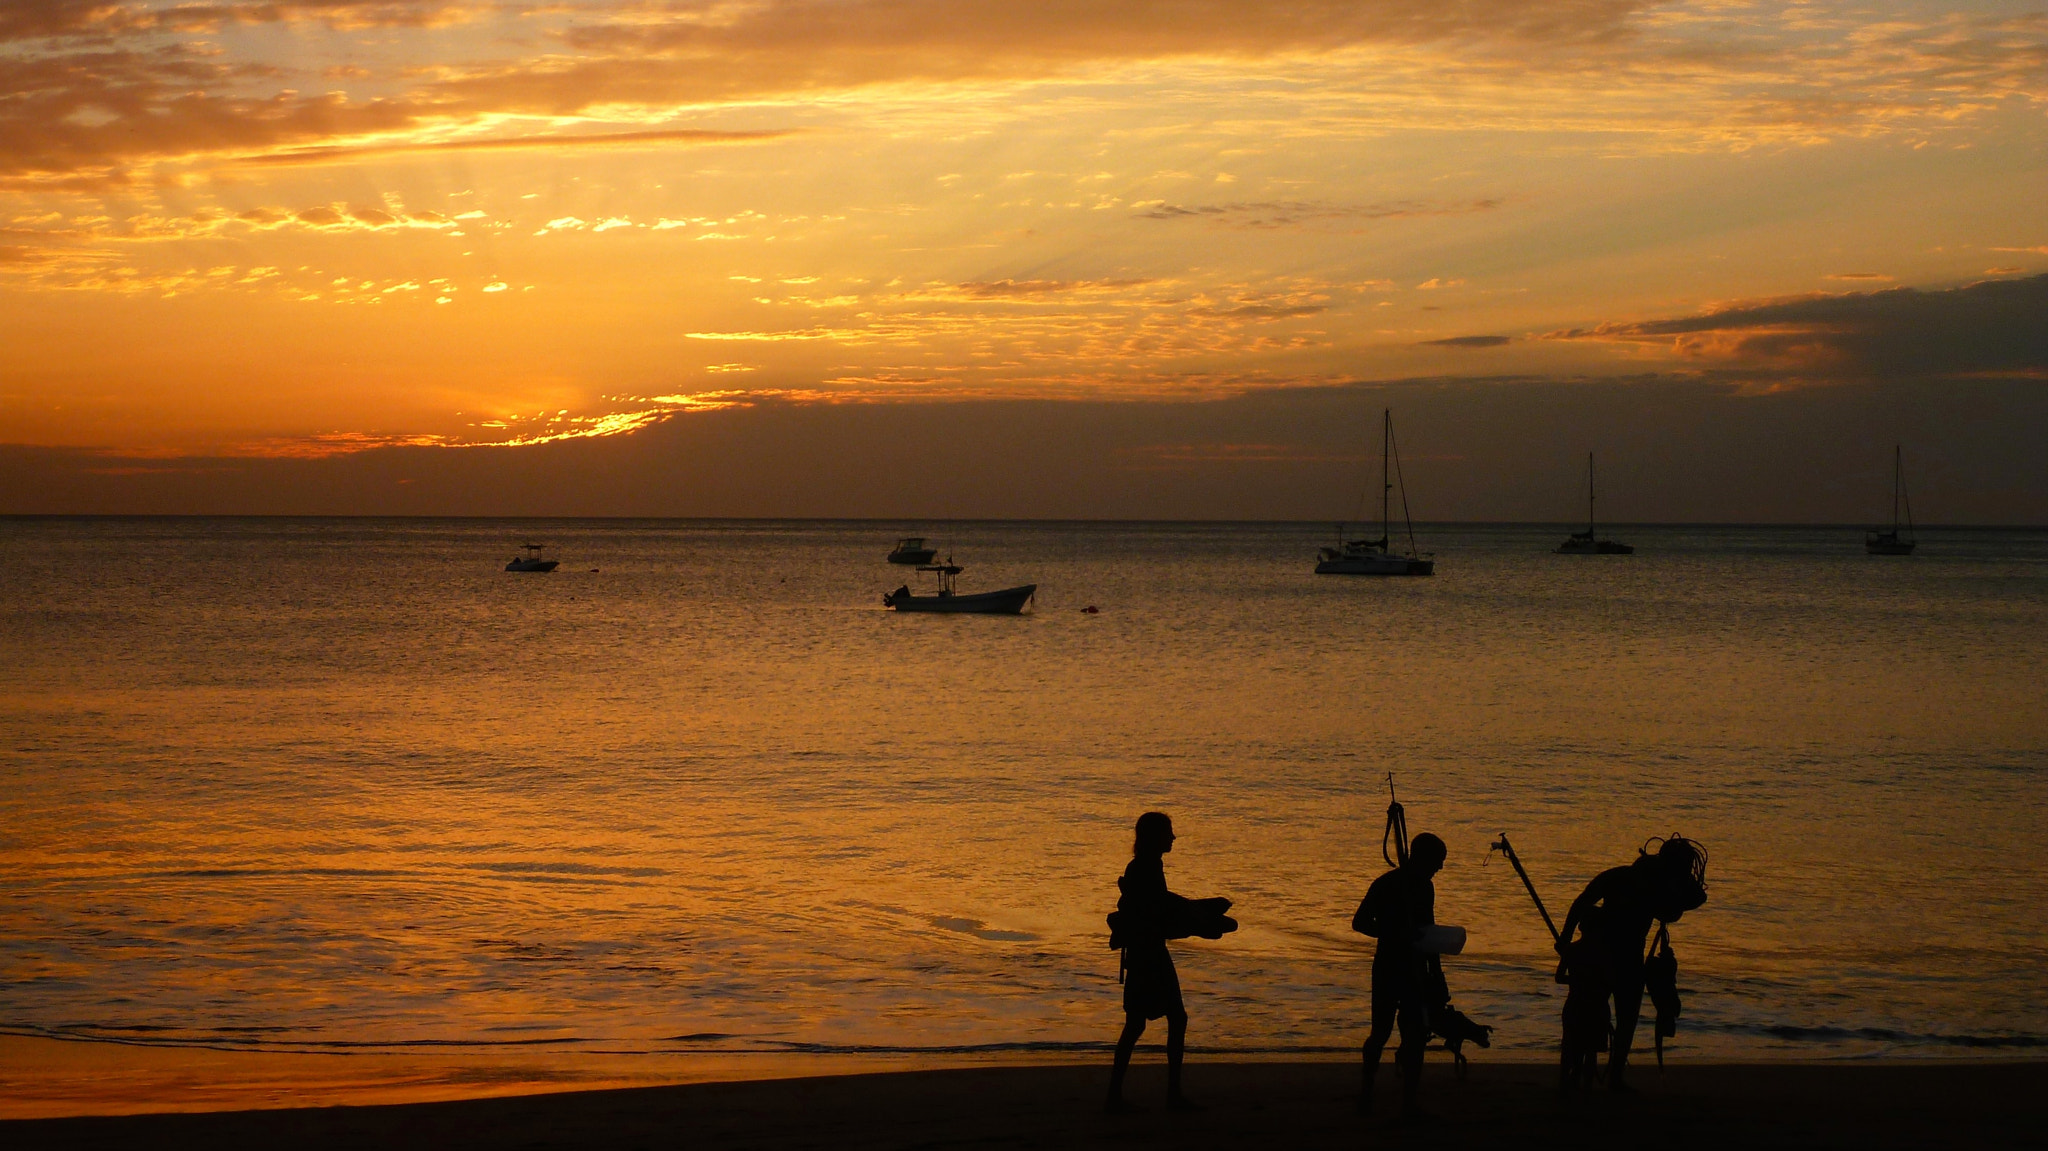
(1745, 1107)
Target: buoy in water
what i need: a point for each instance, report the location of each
(1091, 609)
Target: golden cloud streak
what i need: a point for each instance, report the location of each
(342, 153)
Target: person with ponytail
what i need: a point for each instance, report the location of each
(1148, 915)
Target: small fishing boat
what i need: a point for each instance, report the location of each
(531, 560)
(1586, 543)
(1009, 601)
(1893, 542)
(1374, 557)
(911, 550)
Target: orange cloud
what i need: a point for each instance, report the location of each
(1036, 289)
(1301, 215)
(338, 153)
(51, 19)
(97, 88)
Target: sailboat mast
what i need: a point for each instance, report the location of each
(1898, 467)
(1899, 488)
(1386, 480)
(1589, 493)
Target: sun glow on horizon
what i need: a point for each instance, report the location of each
(324, 228)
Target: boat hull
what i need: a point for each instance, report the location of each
(531, 565)
(919, 557)
(1376, 566)
(1598, 548)
(1009, 601)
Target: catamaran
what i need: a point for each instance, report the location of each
(1374, 557)
(1586, 543)
(1893, 542)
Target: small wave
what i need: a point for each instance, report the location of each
(525, 868)
(1825, 1034)
(980, 930)
(247, 1038)
(702, 1042)
(1045, 1046)
(269, 872)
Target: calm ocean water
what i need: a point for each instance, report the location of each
(344, 783)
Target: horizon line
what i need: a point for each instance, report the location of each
(1856, 525)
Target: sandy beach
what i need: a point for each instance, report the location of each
(1750, 1106)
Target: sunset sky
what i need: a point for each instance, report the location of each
(797, 257)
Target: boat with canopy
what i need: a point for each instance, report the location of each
(1008, 601)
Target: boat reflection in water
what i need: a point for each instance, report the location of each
(1009, 601)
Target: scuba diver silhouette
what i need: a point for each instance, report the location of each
(1613, 917)
(1146, 917)
(1395, 910)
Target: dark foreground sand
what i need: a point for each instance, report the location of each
(1745, 1108)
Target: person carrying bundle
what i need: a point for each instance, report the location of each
(1148, 915)
(1613, 917)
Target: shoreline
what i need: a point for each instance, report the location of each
(44, 1077)
(49, 1077)
(1756, 1106)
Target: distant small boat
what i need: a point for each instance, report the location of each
(1586, 543)
(1893, 542)
(1374, 557)
(911, 550)
(532, 560)
(1009, 601)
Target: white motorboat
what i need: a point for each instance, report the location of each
(912, 550)
(1375, 557)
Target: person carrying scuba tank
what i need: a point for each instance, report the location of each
(1613, 917)
(1146, 916)
(1396, 910)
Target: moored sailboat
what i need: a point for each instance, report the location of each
(1375, 557)
(1588, 542)
(1893, 542)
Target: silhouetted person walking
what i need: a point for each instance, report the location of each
(1613, 918)
(1395, 910)
(1147, 916)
